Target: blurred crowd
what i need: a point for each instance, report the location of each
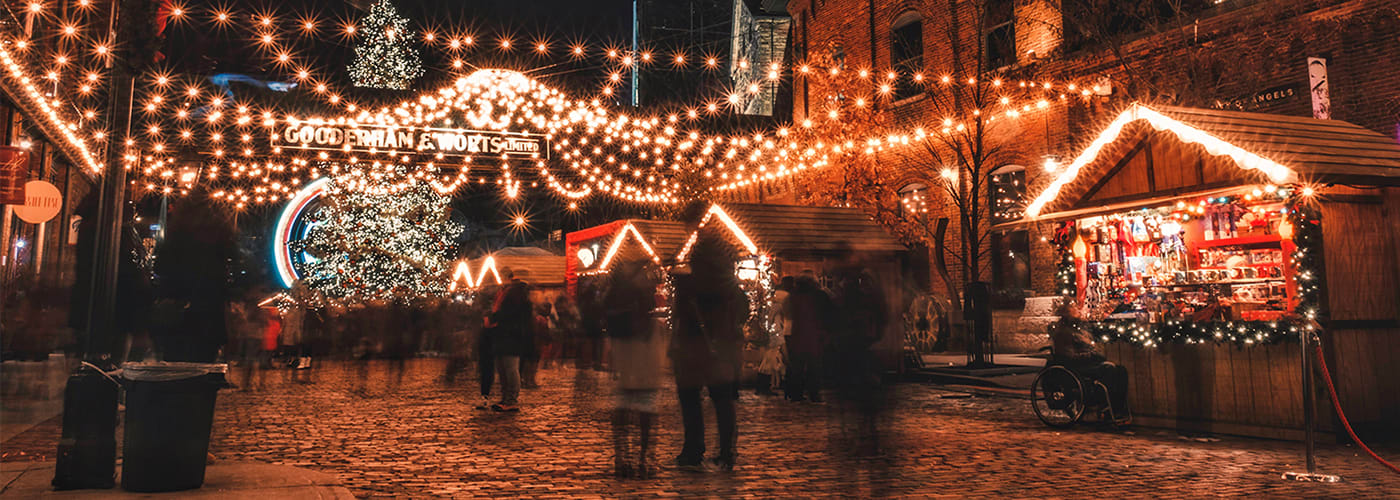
(696, 324)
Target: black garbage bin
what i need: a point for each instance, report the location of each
(169, 414)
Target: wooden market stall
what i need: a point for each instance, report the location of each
(593, 250)
(1197, 240)
(537, 266)
(790, 239)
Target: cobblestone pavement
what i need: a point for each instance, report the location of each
(419, 437)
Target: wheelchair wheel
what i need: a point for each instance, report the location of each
(1057, 396)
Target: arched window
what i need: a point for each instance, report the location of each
(907, 53)
(913, 200)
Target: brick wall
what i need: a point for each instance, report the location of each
(1234, 50)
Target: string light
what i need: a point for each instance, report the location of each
(647, 155)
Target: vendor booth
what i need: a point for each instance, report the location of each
(784, 240)
(1199, 244)
(593, 251)
(537, 266)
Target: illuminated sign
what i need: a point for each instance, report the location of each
(375, 138)
(291, 225)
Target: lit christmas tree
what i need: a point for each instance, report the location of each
(385, 58)
(373, 241)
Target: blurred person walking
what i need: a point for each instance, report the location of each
(637, 351)
(708, 314)
(810, 310)
(135, 291)
(593, 342)
(510, 323)
(568, 322)
(247, 321)
(860, 303)
(192, 270)
(549, 333)
(485, 351)
(773, 363)
(462, 325)
(535, 347)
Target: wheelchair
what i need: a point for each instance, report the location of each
(1061, 396)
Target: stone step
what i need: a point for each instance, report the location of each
(1041, 306)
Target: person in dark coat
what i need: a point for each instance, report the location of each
(708, 314)
(134, 289)
(1073, 346)
(861, 309)
(192, 270)
(485, 351)
(511, 323)
(593, 343)
(809, 309)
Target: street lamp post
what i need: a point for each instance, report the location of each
(87, 448)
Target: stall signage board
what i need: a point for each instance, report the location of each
(1269, 96)
(14, 169)
(42, 201)
(372, 138)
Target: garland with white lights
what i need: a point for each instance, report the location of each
(635, 159)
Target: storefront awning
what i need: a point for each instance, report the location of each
(1269, 148)
(789, 229)
(1080, 213)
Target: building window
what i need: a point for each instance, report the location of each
(1008, 193)
(1089, 23)
(913, 201)
(907, 53)
(999, 18)
(1011, 270)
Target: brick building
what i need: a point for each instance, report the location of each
(1250, 55)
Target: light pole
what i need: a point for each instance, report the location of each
(87, 448)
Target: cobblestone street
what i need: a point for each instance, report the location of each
(421, 437)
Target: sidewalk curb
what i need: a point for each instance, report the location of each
(221, 480)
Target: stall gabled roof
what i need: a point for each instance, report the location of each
(1281, 148)
(666, 237)
(535, 265)
(780, 229)
(654, 239)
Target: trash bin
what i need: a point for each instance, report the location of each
(169, 414)
(87, 450)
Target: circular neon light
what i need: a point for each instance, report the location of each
(282, 235)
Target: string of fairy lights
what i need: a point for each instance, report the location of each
(593, 150)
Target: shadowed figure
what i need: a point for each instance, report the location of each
(192, 270)
(859, 325)
(810, 312)
(637, 351)
(511, 323)
(708, 312)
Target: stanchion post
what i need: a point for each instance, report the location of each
(1309, 414)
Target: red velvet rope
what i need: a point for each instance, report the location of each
(1338, 405)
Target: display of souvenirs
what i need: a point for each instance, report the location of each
(1218, 259)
